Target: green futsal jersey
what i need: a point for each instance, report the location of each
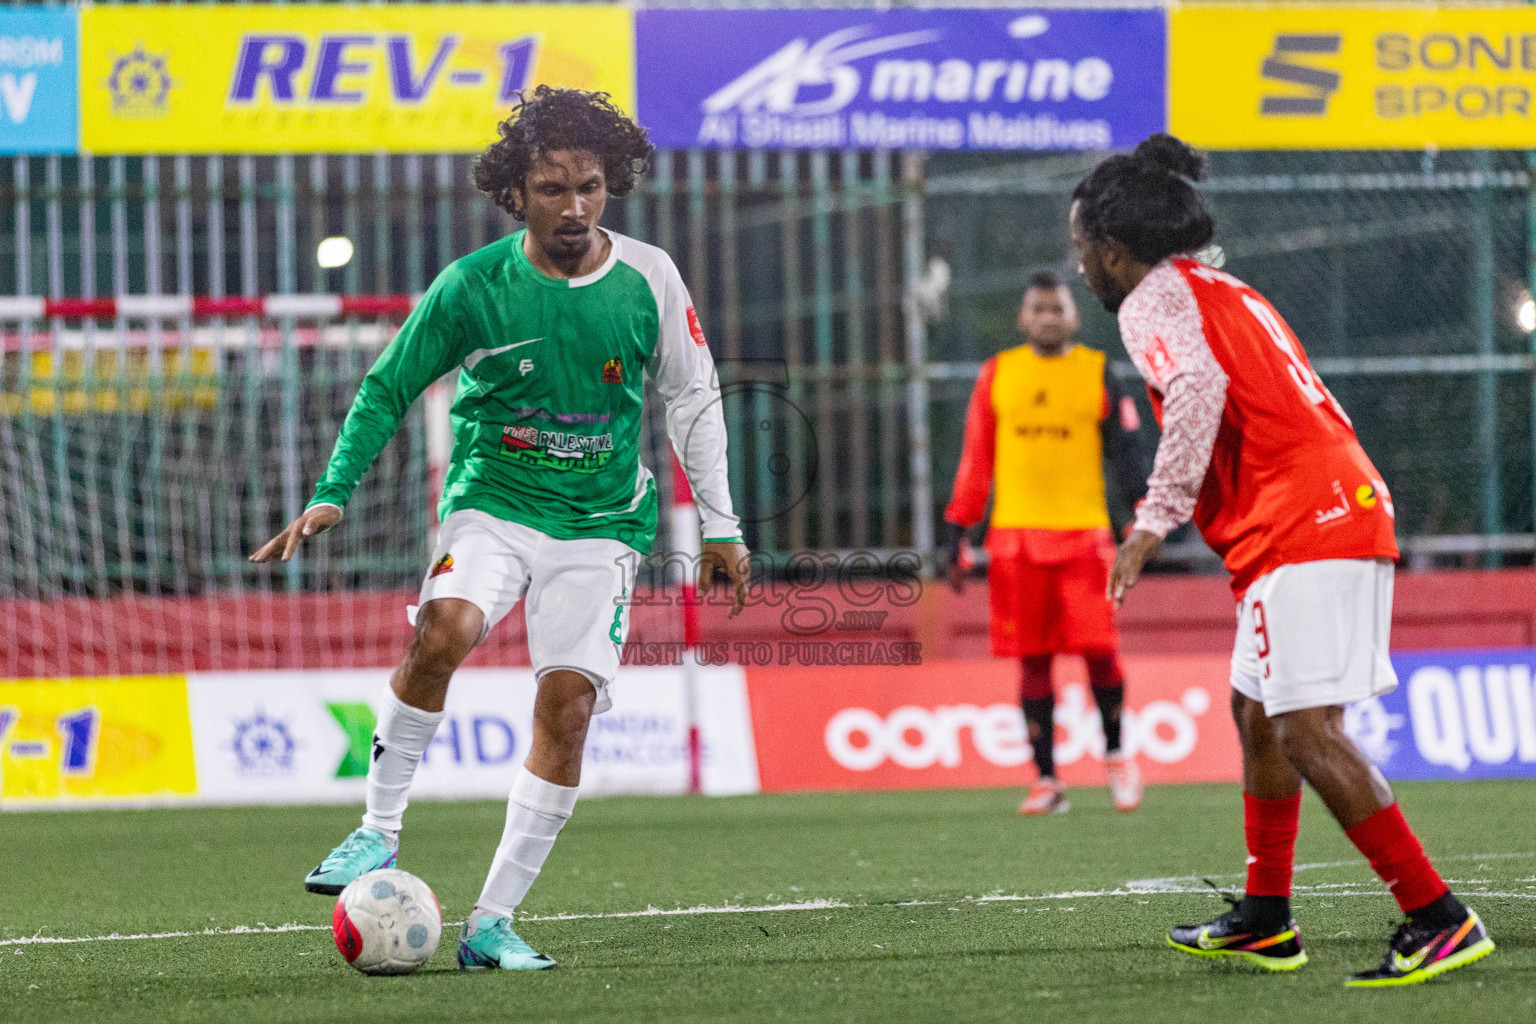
(547, 415)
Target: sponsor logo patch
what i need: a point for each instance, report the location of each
(442, 565)
(613, 371)
(557, 449)
(1159, 360)
(695, 328)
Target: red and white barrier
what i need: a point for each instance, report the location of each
(170, 307)
(686, 541)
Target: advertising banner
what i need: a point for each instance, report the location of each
(94, 741)
(334, 78)
(959, 724)
(304, 737)
(1468, 714)
(39, 81)
(1246, 77)
(938, 79)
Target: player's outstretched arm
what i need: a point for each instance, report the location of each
(730, 562)
(315, 520)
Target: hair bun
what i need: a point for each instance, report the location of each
(1172, 155)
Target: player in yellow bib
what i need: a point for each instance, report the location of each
(1041, 420)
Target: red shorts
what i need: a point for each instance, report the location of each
(1051, 607)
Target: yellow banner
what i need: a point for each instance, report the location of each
(1353, 77)
(332, 78)
(94, 739)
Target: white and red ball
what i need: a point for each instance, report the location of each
(387, 922)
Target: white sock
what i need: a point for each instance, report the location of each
(399, 740)
(536, 811)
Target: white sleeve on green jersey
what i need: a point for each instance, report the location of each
(684, 373)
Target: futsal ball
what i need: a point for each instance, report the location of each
(387, 922)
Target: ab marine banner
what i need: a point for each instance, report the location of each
(937, 79)
(1242, 77)
(334, 78)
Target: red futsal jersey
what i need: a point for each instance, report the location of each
(1255, 449)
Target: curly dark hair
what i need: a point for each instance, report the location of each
(555, 119)
(1147, 200)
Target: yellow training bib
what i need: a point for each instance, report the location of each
(1049, 468)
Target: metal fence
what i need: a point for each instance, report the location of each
(1404, 274)
(148, 454)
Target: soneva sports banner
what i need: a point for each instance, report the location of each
(1353, 77)
(304, 737)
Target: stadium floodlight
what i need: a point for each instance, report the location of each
(1525, 316)
(334, 252)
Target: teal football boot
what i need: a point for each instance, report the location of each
(361, 852)
(487, 942)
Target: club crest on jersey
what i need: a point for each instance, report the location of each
(1158, 358)
(613, 371)
(695, 328)
(442, 565)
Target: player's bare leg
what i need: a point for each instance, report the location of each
(1259, 927)
(562, 713)
(447, 630)
(1439, 933)
(543, 798)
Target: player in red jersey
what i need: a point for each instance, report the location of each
(1041, 420)
(1257, 451)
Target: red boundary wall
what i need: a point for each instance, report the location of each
(1164, 615)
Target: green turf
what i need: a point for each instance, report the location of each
(916, 943)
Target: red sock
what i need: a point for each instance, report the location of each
(1270, 828)
(1395, 854)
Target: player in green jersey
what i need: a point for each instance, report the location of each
(551, 331)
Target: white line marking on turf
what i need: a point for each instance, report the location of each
(1145, 887)
(691, 911)
(1172, 881)
(239, 929)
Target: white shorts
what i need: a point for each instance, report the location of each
(577, 591)
(1315, 634)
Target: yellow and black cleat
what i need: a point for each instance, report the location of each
(1231, 936)
(1419, 952)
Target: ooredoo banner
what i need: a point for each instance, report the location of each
(936, 79)
(958, 724)
(334, 78)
